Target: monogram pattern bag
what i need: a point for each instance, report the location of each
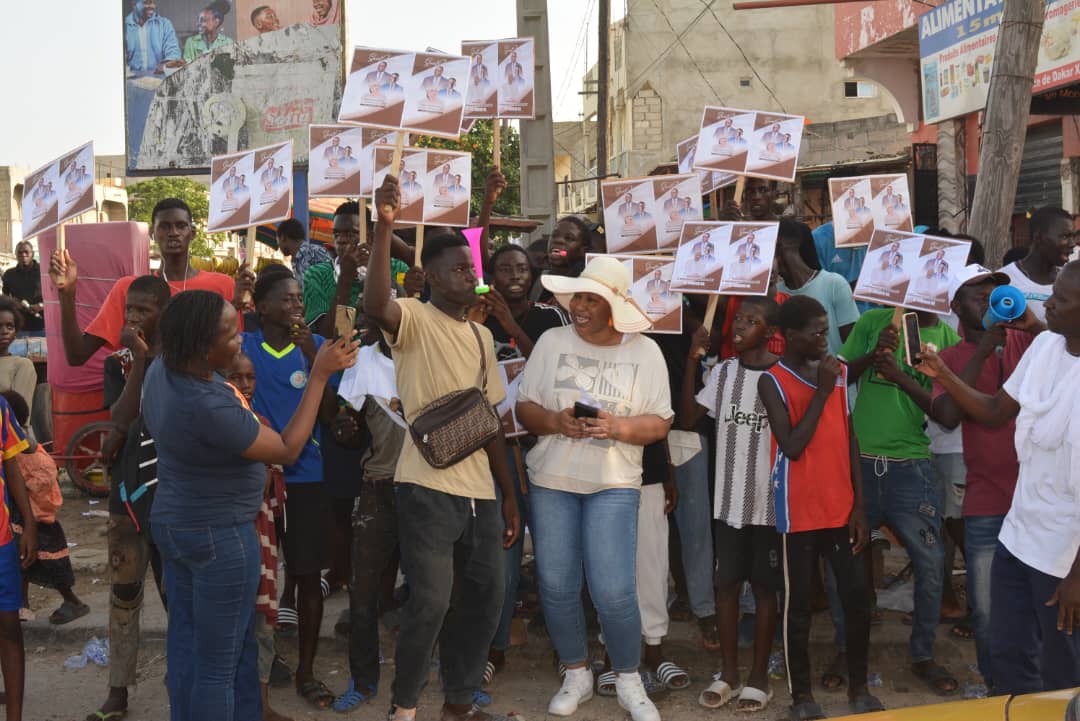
(453, 427)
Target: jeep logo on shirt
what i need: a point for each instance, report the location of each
(755, 421)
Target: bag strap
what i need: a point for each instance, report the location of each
(482, 381)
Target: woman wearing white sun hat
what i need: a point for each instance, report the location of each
(585, 472)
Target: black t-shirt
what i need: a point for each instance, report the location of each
(539, 319)
(654, 464)
(138, 448)
(25, 285)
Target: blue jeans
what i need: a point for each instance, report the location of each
(907, 496)
(1028, 654)
(597, 531)
(980, 542)
(512, 568)
(211, 576)
(693, 517)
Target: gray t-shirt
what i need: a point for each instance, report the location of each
(387, 438)
(833, 292)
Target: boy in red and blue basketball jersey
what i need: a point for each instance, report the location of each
(13, 558)
(818, 493)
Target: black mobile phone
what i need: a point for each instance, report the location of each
(584, 410)
(912, 339)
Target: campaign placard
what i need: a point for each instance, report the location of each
(749, 142)
(250, 188)
(341, 159)
(698, 262)
(748, 259)
(502, 78)
(435, 185)
(644, 215)
(686, 152)
(58, 191)
(910, 270)
(400, 89)
(650, 289)
(861, 204)
(511, 371)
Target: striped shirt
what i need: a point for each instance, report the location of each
(743, 445)
(813, 492)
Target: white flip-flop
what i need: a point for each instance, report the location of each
(719, 687)
(749, 693)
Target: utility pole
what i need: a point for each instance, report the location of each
(538, 199)
(602, 71)
(1005, 124)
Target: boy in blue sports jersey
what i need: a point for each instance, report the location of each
(13, 558)
(282, 352)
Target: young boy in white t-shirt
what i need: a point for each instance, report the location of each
(746, 542)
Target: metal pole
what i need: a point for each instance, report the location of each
(602, 103)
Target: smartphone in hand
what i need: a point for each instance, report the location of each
(912, 339)
(584, 410)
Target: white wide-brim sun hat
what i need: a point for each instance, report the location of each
(609, 279)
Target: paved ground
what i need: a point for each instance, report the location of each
(61, 694)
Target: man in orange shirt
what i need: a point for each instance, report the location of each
(171, 227)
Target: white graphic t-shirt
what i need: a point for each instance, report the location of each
(1035, 293)
(744, 494)
(630, 379)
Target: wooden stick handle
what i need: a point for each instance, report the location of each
(363, 221)
(419, 249)
(61, 242)
(395, 162)
(740, 188)
(496, 142)
(710, 316)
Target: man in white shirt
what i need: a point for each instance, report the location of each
(1053, 237)
(1035, 578)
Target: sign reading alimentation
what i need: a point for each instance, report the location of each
(957, 43)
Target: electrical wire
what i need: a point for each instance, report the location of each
(693, 60)
(581, 42)
(744, 57)
(678, 40)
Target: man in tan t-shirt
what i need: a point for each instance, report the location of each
(449, 524)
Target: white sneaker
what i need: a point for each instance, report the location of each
(577, 688)
(632, 697)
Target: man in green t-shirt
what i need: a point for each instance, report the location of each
(898, 483)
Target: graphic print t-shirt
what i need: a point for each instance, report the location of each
(744, 494)
(1035, 293)
(625, 380)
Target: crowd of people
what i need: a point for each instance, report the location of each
(787, 443)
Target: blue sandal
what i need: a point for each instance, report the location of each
(352, 698)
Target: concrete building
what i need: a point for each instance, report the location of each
(110, 200)
(670, 58)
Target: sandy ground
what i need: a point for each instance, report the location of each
(525, 687)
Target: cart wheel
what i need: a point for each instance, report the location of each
(83, 461)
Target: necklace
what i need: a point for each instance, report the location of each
(186, 269)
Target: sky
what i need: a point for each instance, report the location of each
(65, 86)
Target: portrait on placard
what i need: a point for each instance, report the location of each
(207, 78)
(937, 263)
(448, 177)
(698, 262)
(232, 179)
(410, 174)
(891, 206)
(651, 289)
(375, 89)
(272, 198)
(629, 217)
(76, 175)
(334, 153)
(748, 259)
(686, 154)
(853, 220)
(517, 78)
(435, 94)
(482, 97)
(511, 371)
(40, 201)
(677, 199)
(775, 142)
(724, 140)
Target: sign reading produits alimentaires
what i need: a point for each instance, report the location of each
(957, 43)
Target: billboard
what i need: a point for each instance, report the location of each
(957, 42)
(205, 78)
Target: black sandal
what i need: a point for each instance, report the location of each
(317, 694)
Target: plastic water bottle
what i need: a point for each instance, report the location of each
(1007, 303)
